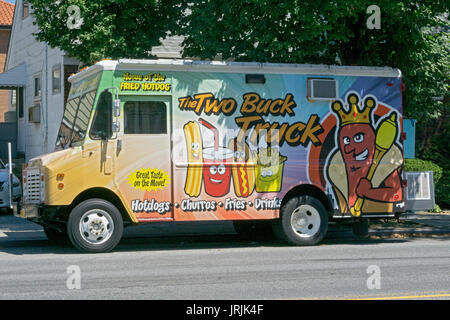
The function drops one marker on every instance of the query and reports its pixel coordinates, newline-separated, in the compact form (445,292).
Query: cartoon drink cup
(217,163)
(217,170)
(269,170)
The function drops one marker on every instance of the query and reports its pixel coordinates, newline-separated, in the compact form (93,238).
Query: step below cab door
(143,158)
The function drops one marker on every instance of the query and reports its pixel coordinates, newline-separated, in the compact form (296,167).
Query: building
(6,19)
(37,78)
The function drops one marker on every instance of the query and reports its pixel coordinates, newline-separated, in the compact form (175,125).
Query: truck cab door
(143,165)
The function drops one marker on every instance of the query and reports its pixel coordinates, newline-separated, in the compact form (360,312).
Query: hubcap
(96,226)
(305,221)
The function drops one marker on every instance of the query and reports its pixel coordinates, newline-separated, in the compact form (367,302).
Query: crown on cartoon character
(354,115)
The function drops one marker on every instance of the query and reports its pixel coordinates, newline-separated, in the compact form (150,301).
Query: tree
(328,32)
(95,30)
(413,36)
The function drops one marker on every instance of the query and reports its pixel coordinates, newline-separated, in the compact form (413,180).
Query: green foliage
(436,209)
(110,29)
(442,192)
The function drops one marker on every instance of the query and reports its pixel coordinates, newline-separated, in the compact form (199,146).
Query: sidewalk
(436,220)
(412,224)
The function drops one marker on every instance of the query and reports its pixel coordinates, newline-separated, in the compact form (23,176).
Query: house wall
(4,40)
(36,138)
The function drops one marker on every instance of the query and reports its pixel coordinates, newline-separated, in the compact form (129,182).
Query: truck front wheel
(94,226)
(303,221)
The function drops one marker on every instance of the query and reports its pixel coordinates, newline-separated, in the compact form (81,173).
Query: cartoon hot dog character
(243,169)
(269,170)
(195,159)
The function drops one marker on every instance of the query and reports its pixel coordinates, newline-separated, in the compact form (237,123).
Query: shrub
(443,190)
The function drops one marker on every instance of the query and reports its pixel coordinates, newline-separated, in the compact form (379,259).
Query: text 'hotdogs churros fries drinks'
(253,109)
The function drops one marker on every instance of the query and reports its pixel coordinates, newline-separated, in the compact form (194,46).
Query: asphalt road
(200,265)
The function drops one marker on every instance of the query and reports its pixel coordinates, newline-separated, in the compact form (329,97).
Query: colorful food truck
(292,147)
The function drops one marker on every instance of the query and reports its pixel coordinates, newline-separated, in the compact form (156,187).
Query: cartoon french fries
(269,170)
(243,169)
(194,147)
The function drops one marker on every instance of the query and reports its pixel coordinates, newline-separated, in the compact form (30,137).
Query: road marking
(405,297)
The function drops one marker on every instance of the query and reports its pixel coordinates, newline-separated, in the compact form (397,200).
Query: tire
(254,230)
(95,226)
(6,211)
(303,221)
(361,228)
(57,237)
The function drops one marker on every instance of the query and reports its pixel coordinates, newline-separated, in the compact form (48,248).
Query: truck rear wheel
(303,221)
(95,226)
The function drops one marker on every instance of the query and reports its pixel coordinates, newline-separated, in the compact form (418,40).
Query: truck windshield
(77,112)
(75,120)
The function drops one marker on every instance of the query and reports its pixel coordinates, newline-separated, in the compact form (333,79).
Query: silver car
(4,187)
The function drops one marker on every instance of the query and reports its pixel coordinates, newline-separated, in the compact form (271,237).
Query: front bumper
(26,211)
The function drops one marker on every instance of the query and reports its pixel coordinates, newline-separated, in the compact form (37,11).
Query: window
(13,98)
(82,117)
(68,70)
(37,86)
(102,126)
(26,8)
(56,79)
(145,117)
(75,120)
(20,102)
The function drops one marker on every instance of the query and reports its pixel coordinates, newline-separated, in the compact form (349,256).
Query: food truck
(290,146)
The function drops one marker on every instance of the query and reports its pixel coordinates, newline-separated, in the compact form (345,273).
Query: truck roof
(234,67)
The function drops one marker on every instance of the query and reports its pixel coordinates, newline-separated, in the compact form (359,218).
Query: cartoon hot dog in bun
(243,168)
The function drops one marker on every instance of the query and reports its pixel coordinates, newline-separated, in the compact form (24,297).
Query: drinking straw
(214,130)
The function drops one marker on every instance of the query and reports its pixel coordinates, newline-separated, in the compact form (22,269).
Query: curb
(390,232)
(411,231)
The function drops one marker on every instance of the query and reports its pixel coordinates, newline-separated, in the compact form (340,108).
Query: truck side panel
(238,148)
